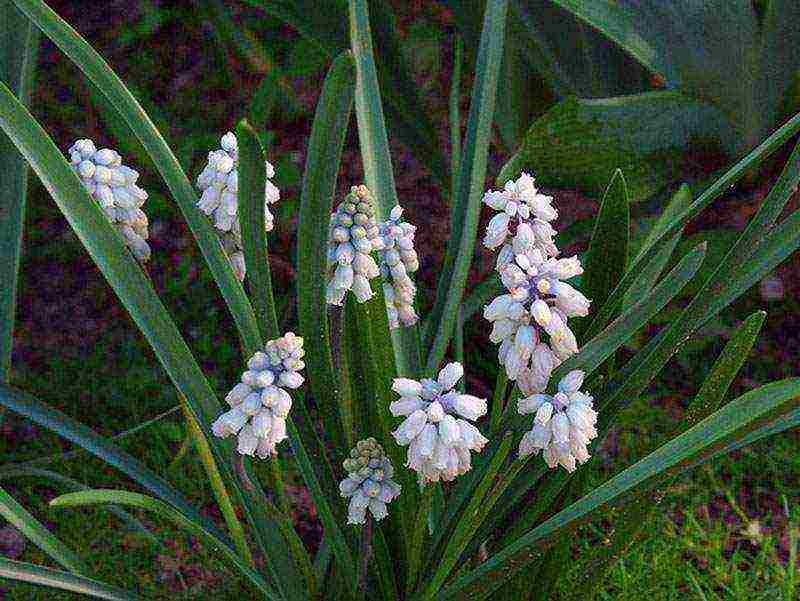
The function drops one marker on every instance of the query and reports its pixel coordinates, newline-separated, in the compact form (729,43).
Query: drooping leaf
(33,574)
(34,531)
(581,142)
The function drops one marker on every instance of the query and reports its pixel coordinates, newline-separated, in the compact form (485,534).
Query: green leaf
(40,536)
(33,574)
(469,191)
(19,45)
(99,446)
(676,224)
(745,68)
(607,258)
(252,183)
(581,142)
(374,144)
(732,420)
(130,499)
(319,187)
(107,82)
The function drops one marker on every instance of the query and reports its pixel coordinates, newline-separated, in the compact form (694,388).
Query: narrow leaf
(472,175)
(40,536)
(33,574)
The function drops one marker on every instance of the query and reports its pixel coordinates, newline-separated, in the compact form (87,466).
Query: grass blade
(125,498)
(472,175)
(40,536)
(319,187)
(18,48)
(104,78)
(33,574)
(252,181)
(667,460)
(607,257)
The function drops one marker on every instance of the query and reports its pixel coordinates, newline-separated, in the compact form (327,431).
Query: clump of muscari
(113,186)
(260,403)
(398,260)
(369,483)
(564,423)
(219,185)
(352,237)
(538,300)
(439,440)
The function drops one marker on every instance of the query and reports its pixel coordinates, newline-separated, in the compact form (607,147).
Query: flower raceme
(563,425)
(113,186)
(398,260)
(352,237)
(260,402)
(219,185)
(437,428)
(538,300)
(369,483)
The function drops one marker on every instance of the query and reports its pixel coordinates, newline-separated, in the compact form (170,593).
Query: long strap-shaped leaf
(469,190)
(19,42)
(103,76)
(106,247)
(40,536)
(374,144)
(319,187)
(668,231)
(130,499)
(671,458)
(33,574)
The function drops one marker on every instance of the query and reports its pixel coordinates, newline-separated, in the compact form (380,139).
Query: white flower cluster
(398,260)
(260,403)
(352,237)
(439,442)
(219,184)
(564,423)
(537,298)
(113,185)
(369,483)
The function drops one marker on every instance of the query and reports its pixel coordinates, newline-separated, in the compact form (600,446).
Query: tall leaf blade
(252,182)
(375,156)
(33,574)
(319,187)
(34,531)
(19,43)
(469,191)
(607,258)
(671,458)
(103,77)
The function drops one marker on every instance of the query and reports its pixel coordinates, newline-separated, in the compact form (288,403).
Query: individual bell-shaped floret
(398,261)
(113,186)
(563,425)
(353,235)
(219,185)
(260,403)
(369,483)
(437,428)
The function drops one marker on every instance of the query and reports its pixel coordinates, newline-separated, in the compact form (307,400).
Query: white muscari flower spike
(352,237)
(369,483)
(563,425)
(398,261)
(437,428)
(260,402)
(219,185)
(113,186)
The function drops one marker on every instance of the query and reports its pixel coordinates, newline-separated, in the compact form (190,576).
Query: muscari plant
(444,494)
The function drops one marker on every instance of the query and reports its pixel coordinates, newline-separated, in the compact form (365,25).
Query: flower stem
(218,486)
(364,555)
